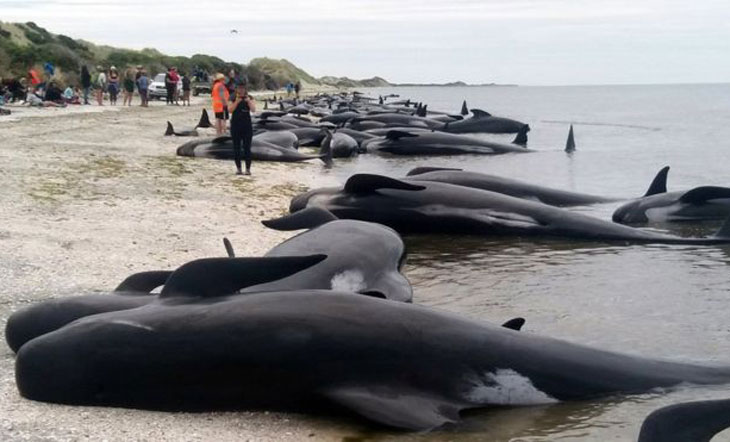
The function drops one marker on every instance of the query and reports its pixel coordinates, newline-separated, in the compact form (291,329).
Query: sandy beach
(93,194)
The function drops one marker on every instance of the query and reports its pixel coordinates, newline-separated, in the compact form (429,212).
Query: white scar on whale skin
(348,281)
(506,387)
(132,324)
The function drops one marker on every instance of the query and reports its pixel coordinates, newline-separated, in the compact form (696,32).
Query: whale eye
(374,294)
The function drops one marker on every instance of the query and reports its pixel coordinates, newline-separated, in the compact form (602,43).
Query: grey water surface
(663,301)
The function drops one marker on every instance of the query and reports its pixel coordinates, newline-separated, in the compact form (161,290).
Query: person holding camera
(241,127)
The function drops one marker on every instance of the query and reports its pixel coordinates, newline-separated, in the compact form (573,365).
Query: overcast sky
(541,42)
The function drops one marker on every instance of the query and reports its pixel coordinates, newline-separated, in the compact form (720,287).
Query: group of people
(113,83)
(237,104)
(296,88)
(172,79)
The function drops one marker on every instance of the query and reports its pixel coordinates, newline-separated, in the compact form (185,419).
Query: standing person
(297,88)
(143,83)
(85,82)
(175,76)
(186,89)
(113,85)
(138,73)
(170,86)
(241,127)
(101,86)
(128,86)
(220,97)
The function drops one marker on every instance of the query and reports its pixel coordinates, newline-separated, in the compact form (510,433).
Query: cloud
(521,41)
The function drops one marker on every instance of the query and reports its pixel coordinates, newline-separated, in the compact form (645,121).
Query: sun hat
(220,76)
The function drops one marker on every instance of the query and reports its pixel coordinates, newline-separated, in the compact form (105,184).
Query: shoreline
(91,197)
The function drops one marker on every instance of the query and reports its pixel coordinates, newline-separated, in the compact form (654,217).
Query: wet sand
(91,195)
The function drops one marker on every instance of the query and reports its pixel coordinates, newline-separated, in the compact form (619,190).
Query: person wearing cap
(220,96)
(241,127)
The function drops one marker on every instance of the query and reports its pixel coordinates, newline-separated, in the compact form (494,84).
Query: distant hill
(284,71)
(23,45)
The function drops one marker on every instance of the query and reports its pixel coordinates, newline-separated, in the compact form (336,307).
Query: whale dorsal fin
(229,248)
(308,218)
(204,120)
(364,183)
(570,142)
(478,113)
(464,108)
(222,139)
(397,134)
(396,407)
(426,169)
(701,195)
(170,130)
(514,324)
(521,138)
(144,282)
(210,277)
(659,184)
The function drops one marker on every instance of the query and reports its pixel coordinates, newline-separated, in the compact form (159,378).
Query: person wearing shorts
(220,96)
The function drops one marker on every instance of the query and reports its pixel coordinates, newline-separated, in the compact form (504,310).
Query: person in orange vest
(220,96)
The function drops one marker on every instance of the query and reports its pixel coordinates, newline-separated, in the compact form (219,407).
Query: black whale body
(397,364)
(434,207)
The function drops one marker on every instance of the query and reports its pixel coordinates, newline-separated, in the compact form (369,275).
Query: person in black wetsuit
(241,127)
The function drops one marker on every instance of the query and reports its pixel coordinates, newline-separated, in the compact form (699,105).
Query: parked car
(157,87)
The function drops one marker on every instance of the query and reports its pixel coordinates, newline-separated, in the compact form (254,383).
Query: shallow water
(658,301)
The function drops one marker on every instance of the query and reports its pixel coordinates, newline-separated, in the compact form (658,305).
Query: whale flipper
(398,134)
(210,277)
(204,120)
(170,130)
(701,195)
(426,169)
(514,324)
(308,218)
(144,282)
(521,138)
(570,143)
(659,184)
(325,152)
(478,113)
(688,422)
(229,248)
(464,108)
(364,183)
(395,407)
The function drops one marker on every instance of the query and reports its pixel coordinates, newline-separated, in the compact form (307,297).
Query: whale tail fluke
(521,138)
(464,109)
(659,184)
(170,130)
(204,120)
(143,282)
(514,324)
(210,277)
(570,144)
(229,248)
(308,218)
(325,152)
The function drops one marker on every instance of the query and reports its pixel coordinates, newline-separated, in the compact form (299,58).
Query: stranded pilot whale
(422,142)
(221,148)
(434,207)
(46,316)
(507,186)
(658,205)
(190,132)
(396,364)
(359,257)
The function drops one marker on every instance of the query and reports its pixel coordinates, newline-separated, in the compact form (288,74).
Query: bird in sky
(234,31)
